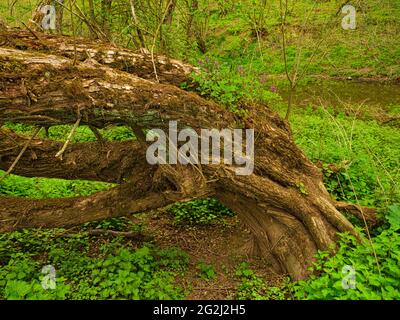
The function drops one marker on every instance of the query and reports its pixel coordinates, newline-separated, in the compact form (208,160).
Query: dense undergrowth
(241,63)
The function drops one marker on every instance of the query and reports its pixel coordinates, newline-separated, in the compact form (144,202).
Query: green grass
(369,51)
(21,11)
(42,188)
(365,152)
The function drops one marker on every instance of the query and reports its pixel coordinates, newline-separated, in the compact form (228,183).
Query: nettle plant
(232,85)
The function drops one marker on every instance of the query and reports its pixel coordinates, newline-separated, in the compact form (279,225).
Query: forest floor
(221,246)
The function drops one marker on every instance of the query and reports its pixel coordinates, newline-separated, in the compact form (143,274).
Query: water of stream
(342,93)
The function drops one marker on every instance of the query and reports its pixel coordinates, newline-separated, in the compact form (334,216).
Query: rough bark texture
(284,201)
(169,71)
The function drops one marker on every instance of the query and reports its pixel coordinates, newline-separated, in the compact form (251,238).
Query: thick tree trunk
(283,202)
(170,12)
(169,71)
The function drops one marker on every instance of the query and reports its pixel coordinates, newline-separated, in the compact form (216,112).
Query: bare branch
(35,133)
(69,138)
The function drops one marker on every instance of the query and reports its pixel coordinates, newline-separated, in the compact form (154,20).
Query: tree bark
(169,71)
(283,202)
(113,162)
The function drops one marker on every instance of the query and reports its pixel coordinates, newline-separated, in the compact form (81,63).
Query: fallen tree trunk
(169,71)
(283,202)
(112,162)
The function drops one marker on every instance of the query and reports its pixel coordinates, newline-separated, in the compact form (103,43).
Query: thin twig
(136,23)
(83,18)
(35,133)
(73,33)
(154,41)
(71,134)
(31,31)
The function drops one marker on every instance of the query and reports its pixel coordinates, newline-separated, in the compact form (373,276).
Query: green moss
(10,66)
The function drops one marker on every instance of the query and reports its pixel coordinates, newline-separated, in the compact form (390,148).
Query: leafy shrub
(375,278)
(127,275)
(117,224)
(173,258)
(23,290)
(30,242)
(393,216)
(231,85)
(21,278)
(252,287)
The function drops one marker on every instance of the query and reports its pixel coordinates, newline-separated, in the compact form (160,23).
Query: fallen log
(283,202)
(169,71)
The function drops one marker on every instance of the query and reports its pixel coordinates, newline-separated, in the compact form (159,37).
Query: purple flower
(273,88)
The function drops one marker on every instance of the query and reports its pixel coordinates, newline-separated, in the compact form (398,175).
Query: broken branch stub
(283,202)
